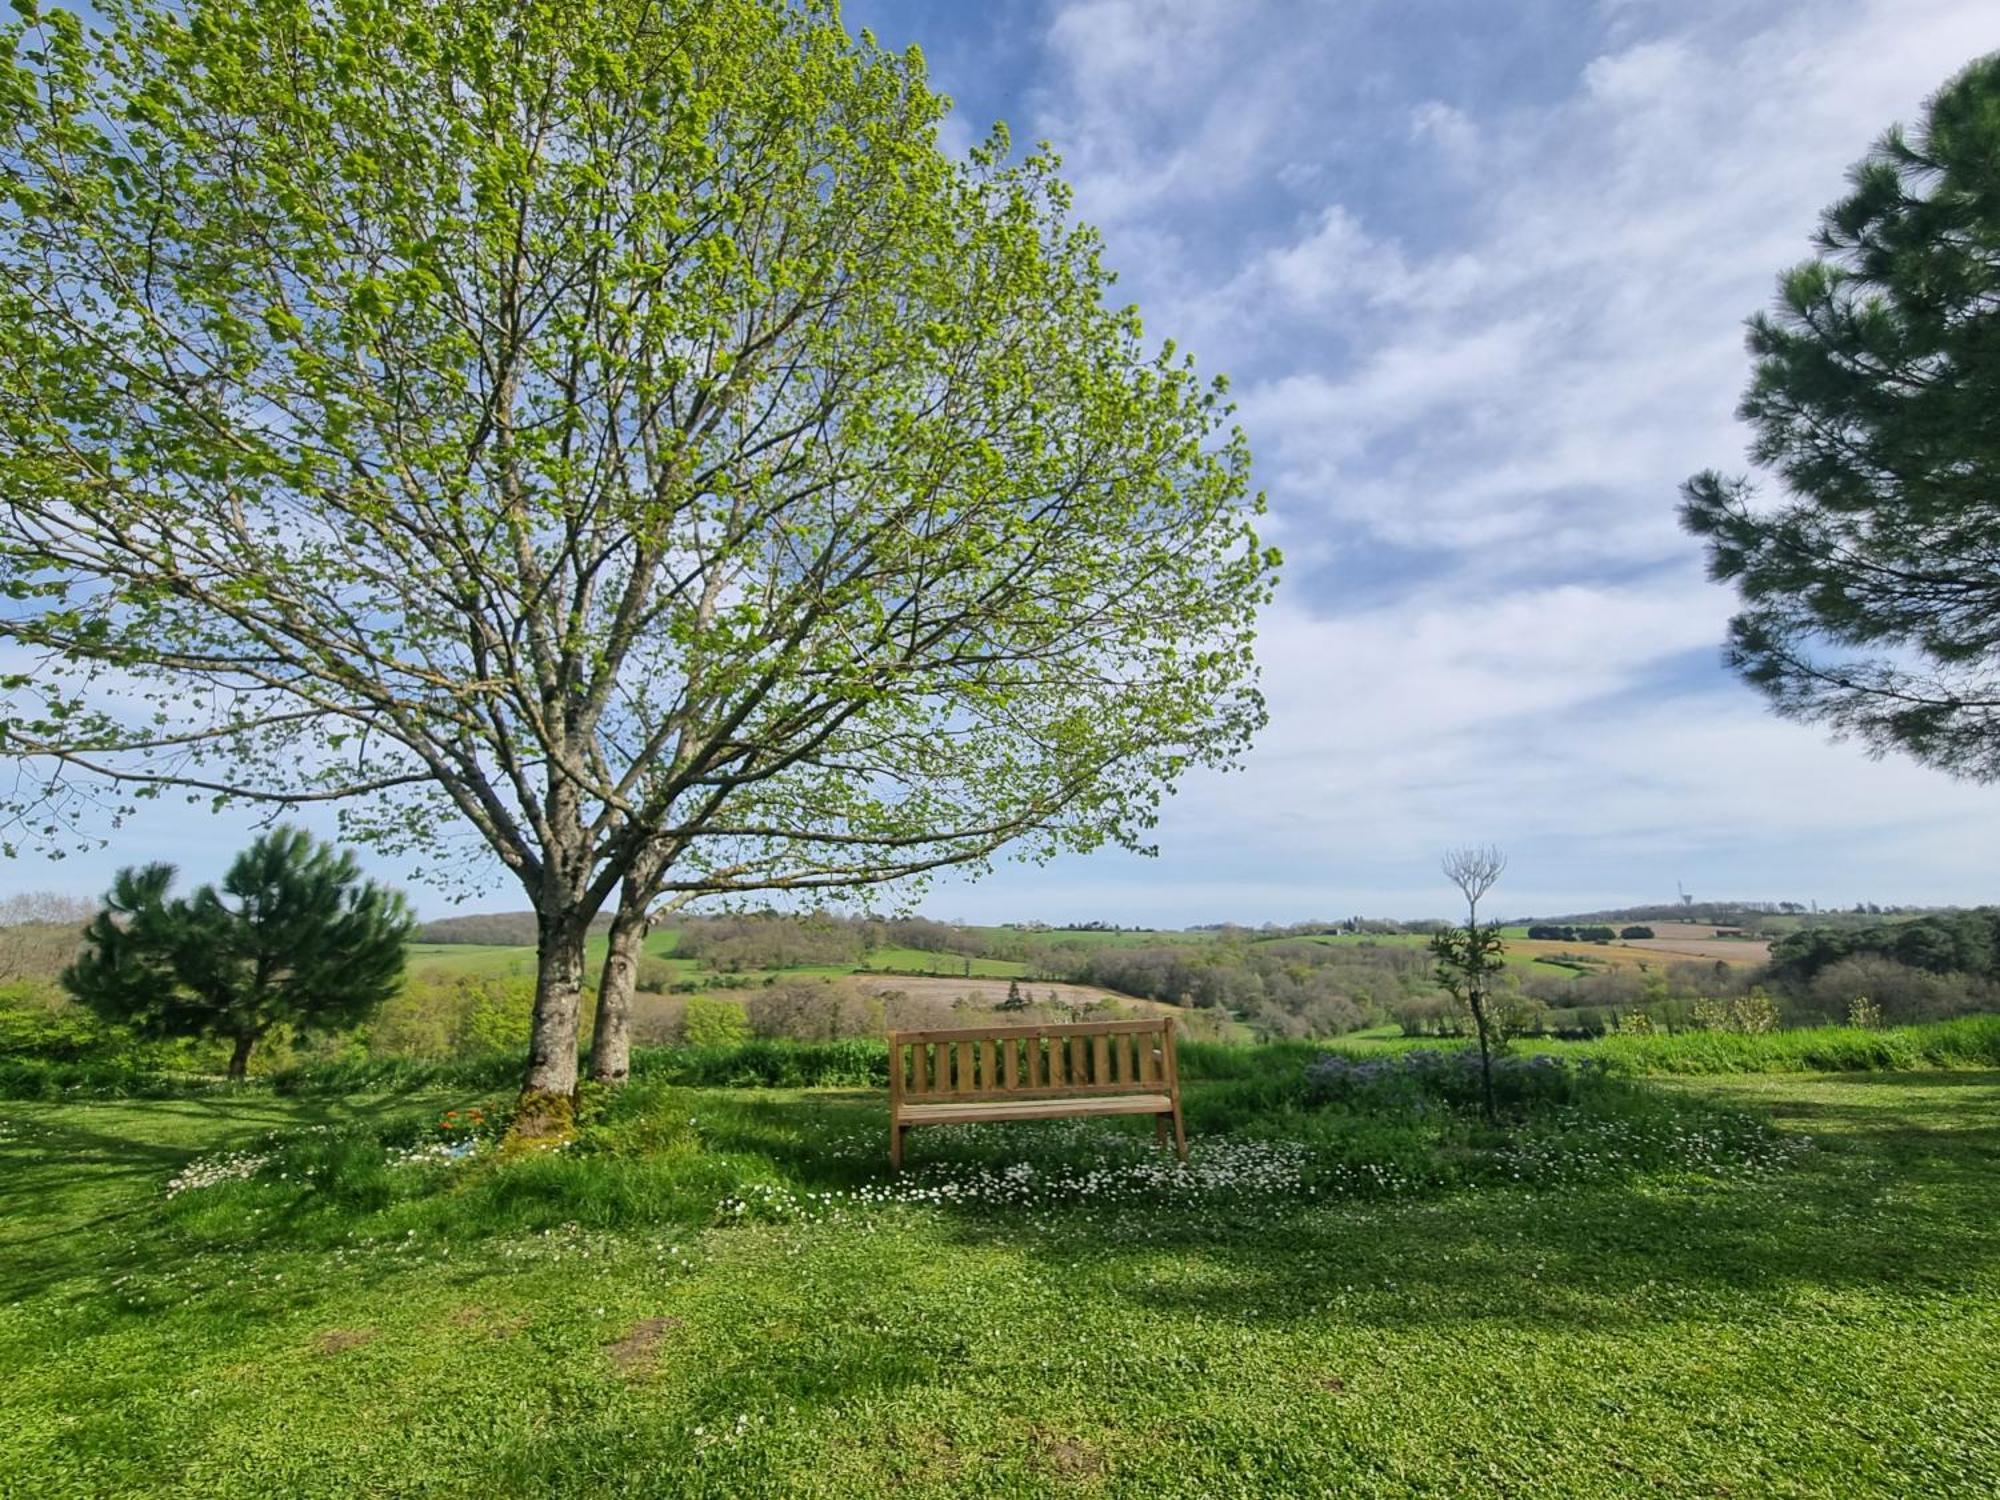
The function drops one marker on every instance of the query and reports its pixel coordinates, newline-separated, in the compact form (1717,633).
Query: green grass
(490,961)
(1970,1041)
(947,965)
(1965,1042)
(605,1322)
(1093,938)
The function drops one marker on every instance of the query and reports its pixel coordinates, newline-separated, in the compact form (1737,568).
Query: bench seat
(1038,1109)
(1096,1069)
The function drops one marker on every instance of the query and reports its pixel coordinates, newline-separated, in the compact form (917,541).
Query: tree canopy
(613,428)
(1871,596)
(294,937)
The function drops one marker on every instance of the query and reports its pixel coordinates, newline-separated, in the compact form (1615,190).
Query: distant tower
(1686,899)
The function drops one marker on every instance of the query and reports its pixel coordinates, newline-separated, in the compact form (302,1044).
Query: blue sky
(1478,274)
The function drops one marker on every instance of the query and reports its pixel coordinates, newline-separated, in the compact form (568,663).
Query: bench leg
(1180,1133)
(1160,1131)
(896,1147)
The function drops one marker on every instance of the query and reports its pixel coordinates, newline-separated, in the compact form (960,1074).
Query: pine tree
(294,936)
(1870,598)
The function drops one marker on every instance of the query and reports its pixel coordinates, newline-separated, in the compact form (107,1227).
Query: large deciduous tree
(1871,596)
(614,427)
(294,937)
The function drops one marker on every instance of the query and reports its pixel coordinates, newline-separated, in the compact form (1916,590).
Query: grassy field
(1535,956)
(724,1294)
(1563,960)
(486,960)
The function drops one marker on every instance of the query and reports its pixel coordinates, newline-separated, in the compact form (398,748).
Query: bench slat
(1032,1109)
(1066,1028)
(1010,1054)
(1059,1090)
(1100,1056)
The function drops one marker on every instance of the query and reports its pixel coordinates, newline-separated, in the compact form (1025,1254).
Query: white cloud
(1495,340)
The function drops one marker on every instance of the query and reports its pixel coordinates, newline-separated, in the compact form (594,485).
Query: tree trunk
(558,1005)
(611,1039)
(1485,1064)
(239,1060)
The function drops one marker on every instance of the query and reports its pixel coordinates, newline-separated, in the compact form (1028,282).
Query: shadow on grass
(69,1172)
(1897,1194)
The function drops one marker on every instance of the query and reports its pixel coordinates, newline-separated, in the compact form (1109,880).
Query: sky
(1478,275)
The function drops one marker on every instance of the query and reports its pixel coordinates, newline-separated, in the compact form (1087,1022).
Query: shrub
(444,1015)
(1428,1077)
(1753,1014)
(849,1063)
(1970,1041)
(710,1022)
(1428,1016)
(656,976)
(809,1010)
(1902,993)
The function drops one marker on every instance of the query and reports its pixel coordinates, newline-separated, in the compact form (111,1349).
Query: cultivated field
(991,992)
(1733,951)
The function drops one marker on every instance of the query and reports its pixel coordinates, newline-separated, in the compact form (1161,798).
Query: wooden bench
(1035,1073)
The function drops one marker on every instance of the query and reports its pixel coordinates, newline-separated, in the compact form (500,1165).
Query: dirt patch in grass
(1069,1457)
(635,1352)
(330,1341)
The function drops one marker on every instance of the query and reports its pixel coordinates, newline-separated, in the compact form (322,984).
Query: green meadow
(1771,1283)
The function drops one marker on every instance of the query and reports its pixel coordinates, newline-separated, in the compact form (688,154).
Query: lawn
(1810,1317)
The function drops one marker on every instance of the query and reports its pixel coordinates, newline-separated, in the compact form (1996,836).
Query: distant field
(1640,954)
(991,991)
(1094,938)
(484,960)
(1521,953)
(922,962)
(1676,942)
(1728,950)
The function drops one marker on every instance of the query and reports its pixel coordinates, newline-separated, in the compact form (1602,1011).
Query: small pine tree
(1469,958)
(294,937)
(1015,999)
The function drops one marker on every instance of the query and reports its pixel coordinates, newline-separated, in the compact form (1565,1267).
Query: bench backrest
(1033,1062)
